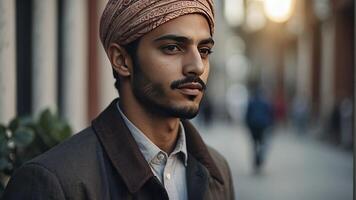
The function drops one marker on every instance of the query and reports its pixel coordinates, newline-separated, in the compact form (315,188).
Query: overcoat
(104,162)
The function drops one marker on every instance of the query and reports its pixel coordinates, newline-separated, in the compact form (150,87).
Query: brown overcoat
(104,162)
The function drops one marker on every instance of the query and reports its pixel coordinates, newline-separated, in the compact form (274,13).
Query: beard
(152,97)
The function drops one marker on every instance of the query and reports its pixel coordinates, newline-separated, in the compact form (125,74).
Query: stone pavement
(296,168)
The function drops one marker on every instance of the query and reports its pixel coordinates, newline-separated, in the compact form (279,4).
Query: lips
(193,89)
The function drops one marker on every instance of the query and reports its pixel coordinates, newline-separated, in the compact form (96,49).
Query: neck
(162,131)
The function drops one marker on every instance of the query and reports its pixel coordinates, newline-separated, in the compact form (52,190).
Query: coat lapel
(198,149)
(197,179)
(121,148)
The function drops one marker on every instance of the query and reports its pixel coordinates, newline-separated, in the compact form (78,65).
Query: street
(296,168)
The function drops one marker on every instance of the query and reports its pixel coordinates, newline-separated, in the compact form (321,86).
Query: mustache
(189,79)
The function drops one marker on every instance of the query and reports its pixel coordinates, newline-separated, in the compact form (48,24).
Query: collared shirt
(169,169)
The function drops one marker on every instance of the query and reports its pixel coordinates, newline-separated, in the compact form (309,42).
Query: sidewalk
(296,168)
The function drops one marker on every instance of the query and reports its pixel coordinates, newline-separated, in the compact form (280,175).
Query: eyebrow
(182,39)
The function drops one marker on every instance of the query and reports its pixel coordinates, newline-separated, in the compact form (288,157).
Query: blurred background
(280,99)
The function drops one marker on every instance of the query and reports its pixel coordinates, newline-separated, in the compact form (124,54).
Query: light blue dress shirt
(169,169)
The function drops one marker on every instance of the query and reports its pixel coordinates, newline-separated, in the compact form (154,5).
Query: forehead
(191,26)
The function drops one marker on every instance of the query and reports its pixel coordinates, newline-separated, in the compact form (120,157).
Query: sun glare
(278,10)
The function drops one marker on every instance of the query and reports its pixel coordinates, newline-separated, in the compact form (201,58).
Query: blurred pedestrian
(279,108)
(259,117)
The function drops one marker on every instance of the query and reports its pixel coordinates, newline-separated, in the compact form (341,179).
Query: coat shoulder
(61,171)
(77,149)
(74,160)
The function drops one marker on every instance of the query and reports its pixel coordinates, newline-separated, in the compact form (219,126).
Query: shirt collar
(181,145)
(148,148)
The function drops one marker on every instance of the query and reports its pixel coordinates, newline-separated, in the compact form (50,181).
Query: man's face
(172,67)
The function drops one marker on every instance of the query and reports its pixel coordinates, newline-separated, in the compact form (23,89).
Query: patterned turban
(124,21)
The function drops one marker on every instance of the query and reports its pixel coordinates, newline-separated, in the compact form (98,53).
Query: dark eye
(204,52)
(171,49)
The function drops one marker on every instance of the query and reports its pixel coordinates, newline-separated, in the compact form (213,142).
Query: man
(141,146)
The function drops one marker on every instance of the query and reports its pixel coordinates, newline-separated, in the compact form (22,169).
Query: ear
(120,60)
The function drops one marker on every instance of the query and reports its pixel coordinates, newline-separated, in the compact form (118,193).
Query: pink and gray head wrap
(124,21)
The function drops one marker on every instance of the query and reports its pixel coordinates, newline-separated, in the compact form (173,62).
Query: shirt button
(168,176)
(160,156)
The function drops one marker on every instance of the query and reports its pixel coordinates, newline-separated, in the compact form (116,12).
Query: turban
(124,21)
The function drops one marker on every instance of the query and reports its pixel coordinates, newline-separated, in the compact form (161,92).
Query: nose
(193,63)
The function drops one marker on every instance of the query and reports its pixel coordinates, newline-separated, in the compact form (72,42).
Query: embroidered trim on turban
(124,21)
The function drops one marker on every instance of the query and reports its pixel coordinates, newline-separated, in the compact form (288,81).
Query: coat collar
(126,157)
